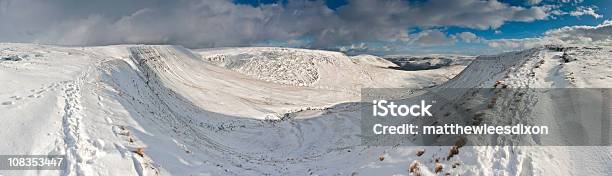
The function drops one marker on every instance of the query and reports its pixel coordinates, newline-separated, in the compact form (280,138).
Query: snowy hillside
(544,67)
(373,61)
(319,69)
(167,110)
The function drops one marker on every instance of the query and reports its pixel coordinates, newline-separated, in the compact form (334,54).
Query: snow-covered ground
(257,111)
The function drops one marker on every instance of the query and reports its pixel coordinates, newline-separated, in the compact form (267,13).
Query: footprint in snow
(8,103)
(108,120)
(34,96)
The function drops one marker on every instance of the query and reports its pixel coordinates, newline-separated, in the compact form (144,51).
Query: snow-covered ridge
(308,68)
(542,67)
(484,71)
(373,61)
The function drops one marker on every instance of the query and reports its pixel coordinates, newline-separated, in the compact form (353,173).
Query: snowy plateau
(167,110)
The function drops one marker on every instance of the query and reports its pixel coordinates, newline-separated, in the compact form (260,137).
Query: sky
(379,27)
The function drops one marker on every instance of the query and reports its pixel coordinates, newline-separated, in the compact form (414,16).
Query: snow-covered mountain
(257,111)
(315,68)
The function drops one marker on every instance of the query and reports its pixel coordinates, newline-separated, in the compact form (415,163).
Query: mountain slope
(100,105)
(318,69)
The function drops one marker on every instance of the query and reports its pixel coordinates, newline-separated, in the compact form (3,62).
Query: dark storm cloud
(212,23)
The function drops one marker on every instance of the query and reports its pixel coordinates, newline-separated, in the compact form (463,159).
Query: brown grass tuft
(140,151)
(438,168)
(453,151)
(456,164)
(420,152)
(414,168)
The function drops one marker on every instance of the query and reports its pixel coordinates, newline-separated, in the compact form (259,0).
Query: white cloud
(361,47)
(515,43)
(468,37)
(533,2)
(572,1)
(580,11)
(432,37)
(599,35)
(211,23)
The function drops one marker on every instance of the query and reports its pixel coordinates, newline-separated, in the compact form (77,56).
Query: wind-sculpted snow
(275,67)
(284,66)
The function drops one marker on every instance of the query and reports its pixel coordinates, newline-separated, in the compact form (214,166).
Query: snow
(538,68)
(373,61)
(257,110)
(311,68)
(329,78)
